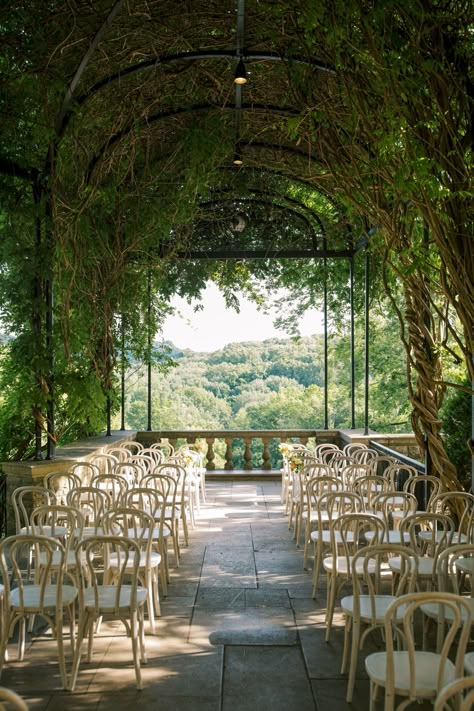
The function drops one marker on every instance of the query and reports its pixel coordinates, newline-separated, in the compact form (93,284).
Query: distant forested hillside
(277,383)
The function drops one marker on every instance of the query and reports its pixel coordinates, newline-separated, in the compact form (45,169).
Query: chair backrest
(122,454)
(146,463)
(425,487)
(459,505)
(177,472)
(379,464)
(12,561)
(91,501)
(398,474)
(114,485)
(332,504)
(352,447)
(314,469)
(131,522)
(52,520)
(368,487)
(92,556)
(325,447)
(104,461)
(449,565)
(85,471)
(337,460)
(133,446)
(166,448)
(456,612)
(27,498)
(363,456)
(349,533)
(369,566)
(350,472)
(155,454)
(131,472)
(61,483)
(316,486)
(387,501)
(148,499)
(458,695)
(436,533)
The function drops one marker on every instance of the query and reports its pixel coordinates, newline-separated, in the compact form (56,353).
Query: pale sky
(215,326)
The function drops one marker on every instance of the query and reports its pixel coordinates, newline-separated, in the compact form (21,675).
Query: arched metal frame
(68,108)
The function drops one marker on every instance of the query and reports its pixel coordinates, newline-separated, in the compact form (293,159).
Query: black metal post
(109,417)
(149,354)
(366,373)
(325,313)
(352,346)
(36,317)
(51,445)
(122,395)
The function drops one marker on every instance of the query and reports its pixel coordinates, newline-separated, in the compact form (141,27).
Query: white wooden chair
(412,673)
(124,600)
(42,597)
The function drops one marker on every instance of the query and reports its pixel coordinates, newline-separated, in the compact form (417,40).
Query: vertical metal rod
(149,353)
(36,319)
(352,345)
(366,368)
(51,444)
(325,312)
(471,443)
(122,396)
(109,417)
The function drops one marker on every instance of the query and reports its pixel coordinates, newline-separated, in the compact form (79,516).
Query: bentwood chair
(458,695)
(413,673)
(45,598)
(124,600)
(348,532)
(367,609)
(131,522)
(154,503)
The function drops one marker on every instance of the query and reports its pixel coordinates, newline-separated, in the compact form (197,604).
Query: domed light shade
(240,75)
(237,159)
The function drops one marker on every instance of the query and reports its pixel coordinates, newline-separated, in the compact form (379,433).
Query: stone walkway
(239,629)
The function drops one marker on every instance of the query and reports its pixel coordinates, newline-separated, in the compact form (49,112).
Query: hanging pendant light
(240,75)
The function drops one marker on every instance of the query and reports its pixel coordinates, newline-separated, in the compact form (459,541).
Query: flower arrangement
(296,463)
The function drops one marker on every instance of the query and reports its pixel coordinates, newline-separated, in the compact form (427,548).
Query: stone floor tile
(265,678)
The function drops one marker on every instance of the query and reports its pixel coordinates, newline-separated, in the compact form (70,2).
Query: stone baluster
(266,464)
(229,464)
(210,454)
(247,453)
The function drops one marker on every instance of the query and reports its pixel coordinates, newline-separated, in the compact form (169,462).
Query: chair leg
(134,637)
(353,660)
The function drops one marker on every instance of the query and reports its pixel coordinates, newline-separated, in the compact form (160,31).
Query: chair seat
(425,566)
(149,560)
(367,612)
(343,565)
(432,610)
(469,663)
(393,537)
(31,597)
(107,595)
(465,565)
(426,666)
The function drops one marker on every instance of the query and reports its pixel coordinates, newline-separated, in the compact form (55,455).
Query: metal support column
(122,377)
(109,417)
(36,321)
(366,368)
(51,444)
(149,353)
(352,347)
(325,312)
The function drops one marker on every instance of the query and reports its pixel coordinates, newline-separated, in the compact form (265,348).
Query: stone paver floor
(239,629)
